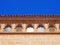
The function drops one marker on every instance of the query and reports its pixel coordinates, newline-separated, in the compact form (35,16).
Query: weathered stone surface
(30,39)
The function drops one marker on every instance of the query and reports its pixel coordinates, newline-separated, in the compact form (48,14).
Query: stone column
(24,27)
(57,27)
(35,26)
(46,27)
(2,27)
(13,27)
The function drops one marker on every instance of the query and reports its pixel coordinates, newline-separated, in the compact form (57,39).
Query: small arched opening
(8,28)
(29,28)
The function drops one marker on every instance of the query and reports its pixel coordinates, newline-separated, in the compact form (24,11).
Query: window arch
(52,29)
(59,26)
(8,28)
(19,28)
(41,29)
(29,28)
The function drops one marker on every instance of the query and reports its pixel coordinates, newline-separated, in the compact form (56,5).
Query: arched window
(59,26)
(8,29)
(29,29)
(40,29)
(19,28)
(52,29)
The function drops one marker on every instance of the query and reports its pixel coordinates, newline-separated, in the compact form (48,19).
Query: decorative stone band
(30,24)
(30,19)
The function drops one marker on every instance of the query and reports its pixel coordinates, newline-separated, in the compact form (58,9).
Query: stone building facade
(30,30)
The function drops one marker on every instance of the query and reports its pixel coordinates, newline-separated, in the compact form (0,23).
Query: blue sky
(29,7)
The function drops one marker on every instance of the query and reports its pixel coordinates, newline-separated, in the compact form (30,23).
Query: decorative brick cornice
(30,19)
(48,20)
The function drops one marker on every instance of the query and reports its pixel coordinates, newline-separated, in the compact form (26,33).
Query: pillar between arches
(46,26)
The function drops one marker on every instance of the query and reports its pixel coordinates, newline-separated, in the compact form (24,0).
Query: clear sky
(29,6)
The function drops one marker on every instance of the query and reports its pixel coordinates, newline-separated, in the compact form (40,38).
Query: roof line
(31,15)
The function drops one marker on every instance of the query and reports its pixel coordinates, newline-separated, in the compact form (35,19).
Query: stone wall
(29,39)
